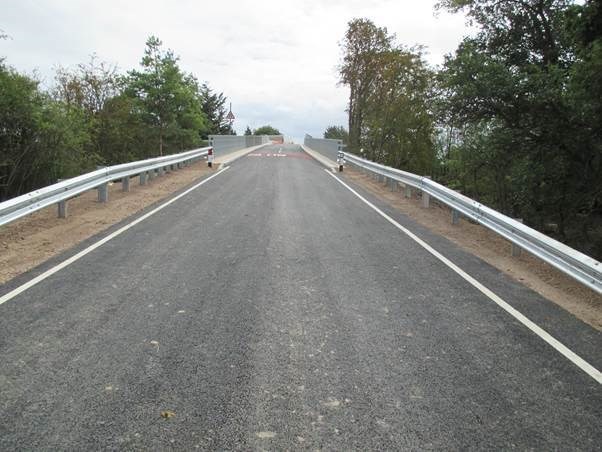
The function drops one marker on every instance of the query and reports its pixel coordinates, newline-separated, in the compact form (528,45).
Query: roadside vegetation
(263,130)
(96,115)
(513,118)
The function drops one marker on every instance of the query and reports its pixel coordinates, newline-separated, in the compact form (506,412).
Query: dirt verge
(33,239)
(580,301)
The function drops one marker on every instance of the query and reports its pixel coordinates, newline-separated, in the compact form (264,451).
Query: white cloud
(275,60)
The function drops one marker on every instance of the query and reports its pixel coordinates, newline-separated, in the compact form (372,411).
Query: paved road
(271,309)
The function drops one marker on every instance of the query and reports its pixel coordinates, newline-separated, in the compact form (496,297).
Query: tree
(40,139)
(168,99)
(337,133)
(248,131)
(361,46)
(266,130)
(522,95)
(390,88)
(95,115)
(213,105)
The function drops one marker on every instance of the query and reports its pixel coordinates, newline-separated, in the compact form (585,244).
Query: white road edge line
(559,346)
(13,293)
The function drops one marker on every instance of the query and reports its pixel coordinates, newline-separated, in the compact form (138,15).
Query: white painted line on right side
(543,334)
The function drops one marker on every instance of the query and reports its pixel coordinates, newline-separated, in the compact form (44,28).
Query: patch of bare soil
(579,300)
(35,238)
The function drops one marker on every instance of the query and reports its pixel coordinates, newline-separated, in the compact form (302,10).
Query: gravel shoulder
(30,241)
(580,301)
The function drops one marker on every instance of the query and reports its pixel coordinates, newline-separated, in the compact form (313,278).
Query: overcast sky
(275,60)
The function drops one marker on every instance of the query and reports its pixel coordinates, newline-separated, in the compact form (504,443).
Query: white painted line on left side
(13,293)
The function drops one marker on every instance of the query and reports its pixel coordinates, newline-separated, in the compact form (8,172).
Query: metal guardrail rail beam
(579,266)
(23,205)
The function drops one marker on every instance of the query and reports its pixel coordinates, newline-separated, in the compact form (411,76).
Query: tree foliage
(521,95)
(337,133)
(95,115)
(389,116)
(266,130)
(512,118)
(40,140)
(214,107)
(169,100)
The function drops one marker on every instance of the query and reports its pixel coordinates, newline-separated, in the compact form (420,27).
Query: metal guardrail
(579,266)
(60,192)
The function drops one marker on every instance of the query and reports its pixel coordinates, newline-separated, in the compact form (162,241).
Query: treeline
(263,130)
(95,115)
(513,118)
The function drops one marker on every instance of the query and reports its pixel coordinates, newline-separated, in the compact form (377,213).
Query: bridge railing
(325,146)
(61,192)
(229,143)
(579,266)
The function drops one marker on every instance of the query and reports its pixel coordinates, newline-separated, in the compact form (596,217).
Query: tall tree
(361,47)
(390,87)
(214,107)
(511,90)
(166,96)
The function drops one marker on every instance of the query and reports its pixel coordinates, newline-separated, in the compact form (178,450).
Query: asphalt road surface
(272,309)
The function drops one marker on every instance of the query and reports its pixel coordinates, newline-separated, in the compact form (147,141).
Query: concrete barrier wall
(325,146)
(227,143)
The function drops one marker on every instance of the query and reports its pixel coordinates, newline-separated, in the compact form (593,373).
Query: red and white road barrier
(210,157)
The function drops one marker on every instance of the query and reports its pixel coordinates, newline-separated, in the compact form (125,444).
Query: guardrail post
(62,207)
(125,183)
(426,199)
(408,191)
(103,192)
(151,175)
(516,250)
(160,171)
(393,185)
(142,176)
(455,216)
